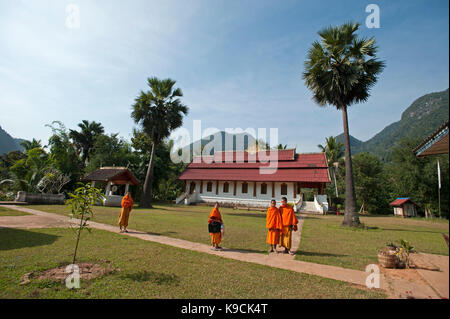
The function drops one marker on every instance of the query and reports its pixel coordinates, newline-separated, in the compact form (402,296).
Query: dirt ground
(87,271)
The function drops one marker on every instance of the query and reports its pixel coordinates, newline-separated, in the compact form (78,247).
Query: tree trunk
(146,198)
(351,217)
(335,183)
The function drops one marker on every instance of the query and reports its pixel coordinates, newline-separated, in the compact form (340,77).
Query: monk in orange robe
(127,206)
(273,225)
(289,222)
(215,216)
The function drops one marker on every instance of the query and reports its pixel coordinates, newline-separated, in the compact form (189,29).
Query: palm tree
(29,145)
(340,70)
(333,151)
(84,140)
(159,112)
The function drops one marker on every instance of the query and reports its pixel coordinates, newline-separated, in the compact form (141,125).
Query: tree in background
(85,139)
(28,145)
(340,70)
(372,188)
(158,111)
(165,183)
(64,154)
(334,152)
(415,177)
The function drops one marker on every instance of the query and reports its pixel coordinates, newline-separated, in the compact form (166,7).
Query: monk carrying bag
(214,227)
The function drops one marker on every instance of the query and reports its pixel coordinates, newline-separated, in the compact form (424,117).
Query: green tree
(165,183)
(110,150)
(340,70)
(334,152)
(63,154)
(84,140)
(415,177)
(81,202)
(28,145)
(372,190)
(158,111)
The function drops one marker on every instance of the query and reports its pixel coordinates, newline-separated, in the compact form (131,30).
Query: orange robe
(288,220)
(273,225)
(215,215)
(127,206)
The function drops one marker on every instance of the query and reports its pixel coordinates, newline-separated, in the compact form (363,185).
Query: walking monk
(273,225)
(127,206)
(214,224)
(289,222)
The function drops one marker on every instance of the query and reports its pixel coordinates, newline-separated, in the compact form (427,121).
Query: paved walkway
(394,287)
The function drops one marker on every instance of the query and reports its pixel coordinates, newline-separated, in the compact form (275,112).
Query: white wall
(242,198)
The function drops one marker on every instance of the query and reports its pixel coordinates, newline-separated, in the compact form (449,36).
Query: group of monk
(280,223)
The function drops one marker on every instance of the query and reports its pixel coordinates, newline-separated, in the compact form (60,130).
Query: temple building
(252,179)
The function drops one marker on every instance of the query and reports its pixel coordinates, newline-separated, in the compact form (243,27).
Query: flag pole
(439,188)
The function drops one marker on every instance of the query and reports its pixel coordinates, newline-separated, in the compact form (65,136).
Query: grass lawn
(149,270)
(324,241)
(244,229)
(11,212)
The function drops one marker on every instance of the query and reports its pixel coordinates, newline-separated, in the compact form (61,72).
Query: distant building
(239,178)
(115,178)
(405,207)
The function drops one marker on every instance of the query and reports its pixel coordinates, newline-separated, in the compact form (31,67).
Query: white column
(108,188)
(126,188)
(93,184)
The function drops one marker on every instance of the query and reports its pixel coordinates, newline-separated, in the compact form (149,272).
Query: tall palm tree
(159,111)
(84,140)
(334,152)
(29,145)
(340,70)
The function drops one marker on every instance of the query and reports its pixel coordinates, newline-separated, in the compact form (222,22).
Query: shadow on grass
(13,238)
(152,276)
(245,251)
(258,215)
(314,254)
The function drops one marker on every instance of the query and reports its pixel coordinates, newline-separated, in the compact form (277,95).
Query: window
(225,187)
(263,188)
(283,189)
(209,187)
(244,188)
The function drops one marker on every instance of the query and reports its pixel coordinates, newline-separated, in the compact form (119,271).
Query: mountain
(224,142)
(419,120)
(8,143)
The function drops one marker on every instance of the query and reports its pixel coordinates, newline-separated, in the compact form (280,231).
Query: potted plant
(403,253)
(388,257)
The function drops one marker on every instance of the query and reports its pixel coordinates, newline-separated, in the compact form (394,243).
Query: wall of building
(246,199)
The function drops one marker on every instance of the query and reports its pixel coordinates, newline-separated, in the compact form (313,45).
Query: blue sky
(238,63)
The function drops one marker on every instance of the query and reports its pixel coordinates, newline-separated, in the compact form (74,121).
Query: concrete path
(394,287)
(434,269)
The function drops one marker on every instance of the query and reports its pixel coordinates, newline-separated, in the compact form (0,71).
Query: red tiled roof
(119,175)
(244,174)
(401,201)
(313,160)
(233,156)
(293,168)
